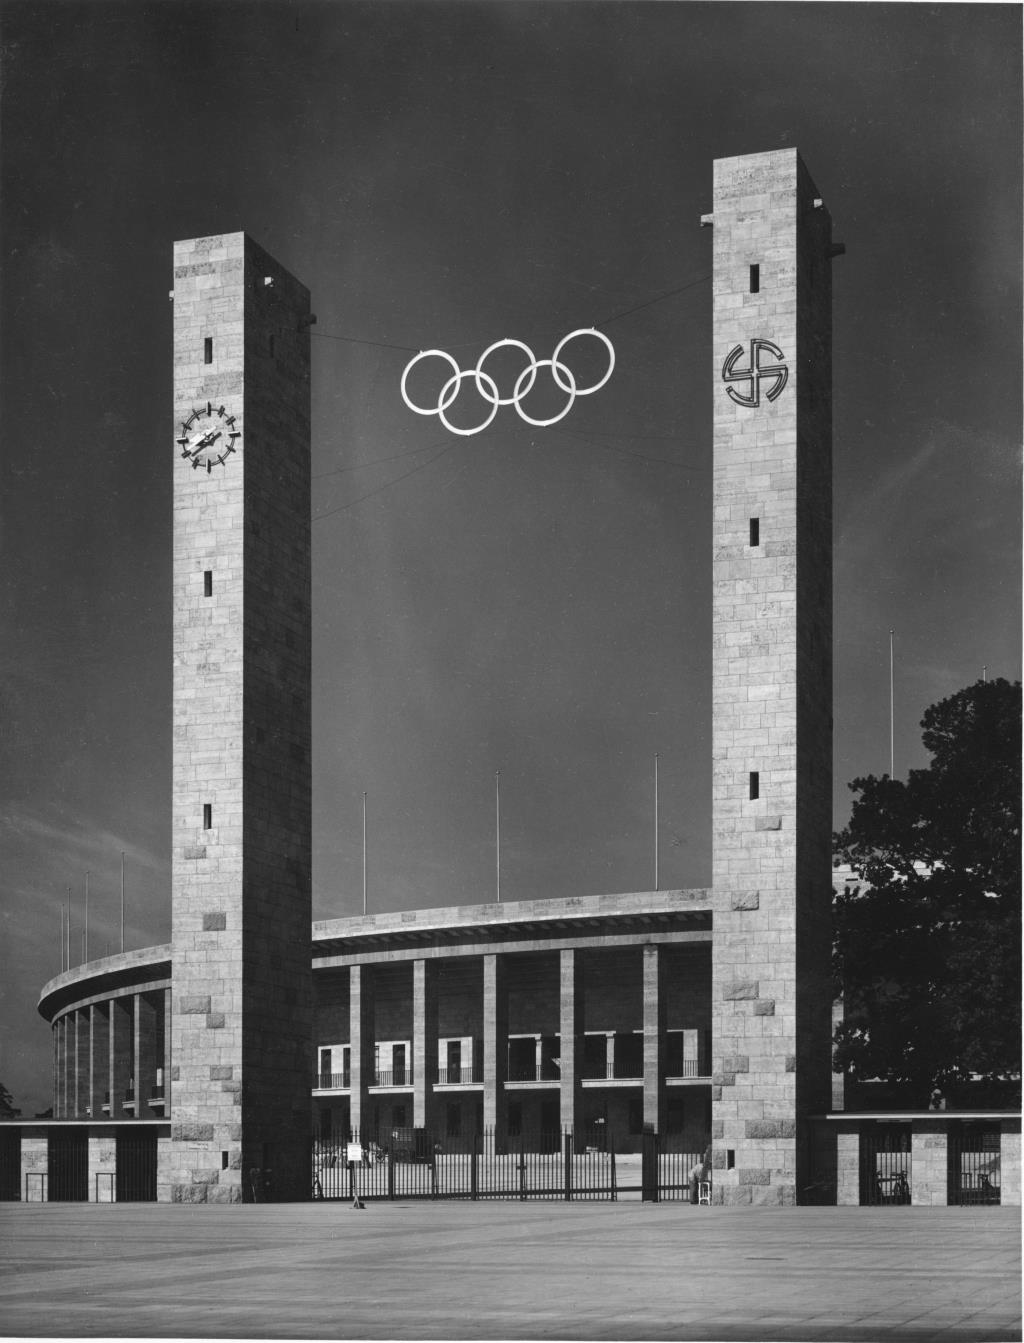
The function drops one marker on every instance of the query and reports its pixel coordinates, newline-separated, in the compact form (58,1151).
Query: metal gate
(136,1166)
(413,1164)
(885,1165)
(10,1165)
(974,1165)
(67,1156)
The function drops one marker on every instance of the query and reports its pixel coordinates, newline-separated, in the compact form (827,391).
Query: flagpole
(85,931)
(69,927)
(364,853)
(497,833)
(122,899)
(62,937)
(892,739)
(656,886)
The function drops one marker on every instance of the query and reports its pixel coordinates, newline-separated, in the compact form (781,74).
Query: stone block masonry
(241,905)
(772,659)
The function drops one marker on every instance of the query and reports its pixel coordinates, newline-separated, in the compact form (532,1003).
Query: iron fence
(556,1165)
(885,1165)
(974,1166)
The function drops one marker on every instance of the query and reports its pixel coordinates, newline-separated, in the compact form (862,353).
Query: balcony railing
(332,1081)
(452,1076)
(397,1077)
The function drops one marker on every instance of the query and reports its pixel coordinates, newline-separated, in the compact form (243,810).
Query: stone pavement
(509,1270)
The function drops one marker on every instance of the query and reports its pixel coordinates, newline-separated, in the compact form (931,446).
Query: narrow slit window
(223,1160)
(755,531)
(730,1158)
(755,785)
(208,583)
(208,350)
(207,815)
(755,279)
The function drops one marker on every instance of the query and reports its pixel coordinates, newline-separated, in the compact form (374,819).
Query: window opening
(755,784)
(755,531)
(208,583)
(207,816)
(208,350)
(755,279)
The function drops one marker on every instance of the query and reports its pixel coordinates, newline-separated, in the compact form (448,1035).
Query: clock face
(208,436)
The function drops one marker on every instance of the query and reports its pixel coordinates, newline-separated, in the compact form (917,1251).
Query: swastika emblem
(778,373)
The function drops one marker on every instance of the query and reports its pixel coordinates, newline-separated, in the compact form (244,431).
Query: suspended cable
(405,475)
(412,349)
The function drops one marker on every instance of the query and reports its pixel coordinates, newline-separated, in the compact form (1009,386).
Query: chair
(704,1192)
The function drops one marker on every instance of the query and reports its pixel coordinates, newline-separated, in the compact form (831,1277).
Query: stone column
(362,1037)
(83,1039)
(571,1018)
(121,1054)
(848,1166)
(102,1166)
(1009,1163)
(929,1164)
(495,1023)
(35,1164)
(145,1053)
(654,1002)
(100,1058)
(424,1042)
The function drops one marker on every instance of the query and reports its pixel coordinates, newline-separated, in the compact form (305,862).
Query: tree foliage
(927,948)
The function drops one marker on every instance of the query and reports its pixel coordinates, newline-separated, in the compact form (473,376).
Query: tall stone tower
(241,1012)
(772,725)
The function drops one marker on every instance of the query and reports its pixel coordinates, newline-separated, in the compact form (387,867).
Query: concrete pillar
(59,1091)
(929,1166)
(424,1042)
(654,1005)
(83,1039)
(138,1080)
(102,1167)
(362,1037)
(146,1054)
(121,1055)
(100,1058)
(495,1023)
(609,1054)
(572,1027)
(847,1166)
(165,1062)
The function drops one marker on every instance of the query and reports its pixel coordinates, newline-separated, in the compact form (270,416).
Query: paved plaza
(509,1270)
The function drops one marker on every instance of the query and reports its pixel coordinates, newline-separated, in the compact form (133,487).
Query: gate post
(522,1166)
(615,1188)
(649,1165)
(567,1147)
(473,1175)
(391,1171)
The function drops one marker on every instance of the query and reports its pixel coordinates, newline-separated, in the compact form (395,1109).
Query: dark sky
(530,600)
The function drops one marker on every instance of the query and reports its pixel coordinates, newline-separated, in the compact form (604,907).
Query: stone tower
(772,724)
(241,895)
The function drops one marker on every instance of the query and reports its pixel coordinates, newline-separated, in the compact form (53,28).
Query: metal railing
(451,1076)
(332,1081)
(396,1077)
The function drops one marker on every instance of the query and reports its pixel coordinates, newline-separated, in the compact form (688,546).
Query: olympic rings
(446,400)
(488,389)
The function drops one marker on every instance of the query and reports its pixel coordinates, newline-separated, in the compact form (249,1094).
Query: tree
(927,949)
(7,1110)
